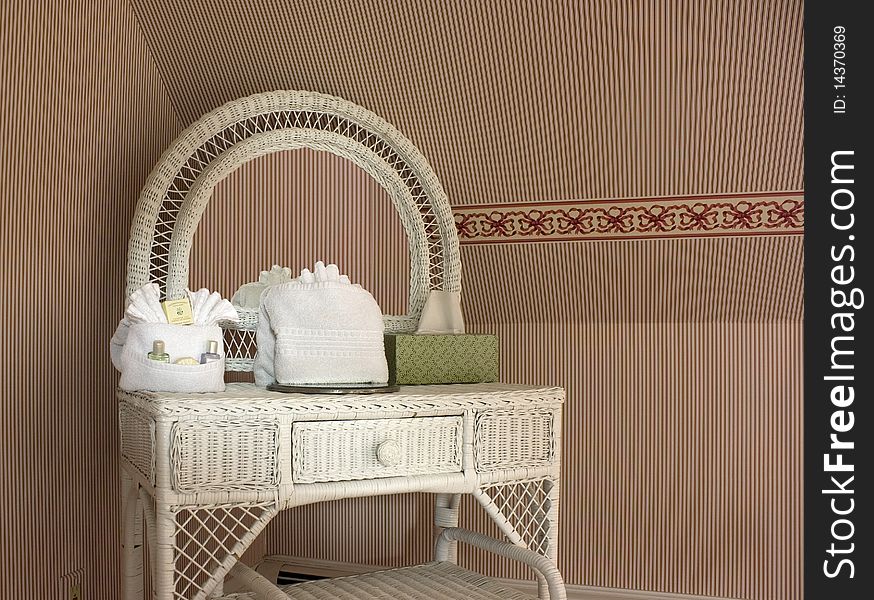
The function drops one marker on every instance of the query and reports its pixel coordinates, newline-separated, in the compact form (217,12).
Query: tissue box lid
(429,359)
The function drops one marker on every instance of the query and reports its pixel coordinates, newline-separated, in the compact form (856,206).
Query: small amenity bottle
(158,352)
(211,354)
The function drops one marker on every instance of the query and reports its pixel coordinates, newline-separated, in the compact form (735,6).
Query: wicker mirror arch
(181,185)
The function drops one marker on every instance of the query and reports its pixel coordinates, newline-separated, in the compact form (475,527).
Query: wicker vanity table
(205,473)
(211,470)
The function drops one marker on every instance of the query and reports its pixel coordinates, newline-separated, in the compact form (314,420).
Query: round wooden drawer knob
(389,453)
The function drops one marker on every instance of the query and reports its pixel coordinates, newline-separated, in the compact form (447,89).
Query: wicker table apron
(209,471)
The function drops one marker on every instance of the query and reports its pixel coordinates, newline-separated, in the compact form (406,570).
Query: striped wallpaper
(84,117)
(681,471)
(682,357)
(297,207)
(523,100)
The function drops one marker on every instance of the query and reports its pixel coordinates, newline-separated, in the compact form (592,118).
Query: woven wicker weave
(350,450)
(227,463)
(441,580)
(179,188)
(426,582)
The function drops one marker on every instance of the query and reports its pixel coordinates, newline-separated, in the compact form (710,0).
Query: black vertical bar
(837,172)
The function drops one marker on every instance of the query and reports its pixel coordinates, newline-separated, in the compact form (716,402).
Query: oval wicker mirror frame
(181,184)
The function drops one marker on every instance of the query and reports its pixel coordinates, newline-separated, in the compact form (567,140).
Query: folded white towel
(145,305)
(249,294)
(320,329)
(209,309)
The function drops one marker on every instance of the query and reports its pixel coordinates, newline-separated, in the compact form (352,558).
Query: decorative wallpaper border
(635,218)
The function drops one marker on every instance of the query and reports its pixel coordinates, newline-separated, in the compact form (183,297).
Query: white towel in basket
(320,329)
(140,373)
(144,322)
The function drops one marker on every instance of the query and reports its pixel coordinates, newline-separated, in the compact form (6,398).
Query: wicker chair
(170,208)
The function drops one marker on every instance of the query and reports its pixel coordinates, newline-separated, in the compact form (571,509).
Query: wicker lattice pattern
(514,438)
(524,508)
(178,189)
(240,348)
(206,539)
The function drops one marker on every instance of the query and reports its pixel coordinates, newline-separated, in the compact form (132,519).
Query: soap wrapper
(139,372)
(178,312)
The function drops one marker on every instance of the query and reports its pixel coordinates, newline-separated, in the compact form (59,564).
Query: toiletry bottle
(211,355)
(158,352)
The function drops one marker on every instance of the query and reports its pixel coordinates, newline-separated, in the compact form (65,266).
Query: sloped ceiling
(522,101)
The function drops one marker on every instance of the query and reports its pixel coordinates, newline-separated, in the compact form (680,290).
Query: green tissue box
(421,359)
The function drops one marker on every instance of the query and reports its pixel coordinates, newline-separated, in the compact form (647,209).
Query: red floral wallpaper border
(637,218)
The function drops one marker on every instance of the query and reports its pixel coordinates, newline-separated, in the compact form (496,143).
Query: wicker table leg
(196,546)
(551,532)
(446,515)
(132,539)
(526,511)
(163,556)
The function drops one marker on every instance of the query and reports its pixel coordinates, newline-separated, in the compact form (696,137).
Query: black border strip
(837,554)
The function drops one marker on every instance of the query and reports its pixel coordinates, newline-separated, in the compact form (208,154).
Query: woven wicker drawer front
(369,449)
(509,439)
(137,440)
(224,455)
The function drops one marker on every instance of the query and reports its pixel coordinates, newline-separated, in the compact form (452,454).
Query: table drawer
(223,455)
(369,449)
(512,439)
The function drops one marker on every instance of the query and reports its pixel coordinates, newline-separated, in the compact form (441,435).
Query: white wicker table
(209,471)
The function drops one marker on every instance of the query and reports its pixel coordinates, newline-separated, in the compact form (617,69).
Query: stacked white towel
(320,329)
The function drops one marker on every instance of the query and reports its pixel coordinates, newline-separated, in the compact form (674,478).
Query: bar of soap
(187,360)
(178,311)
